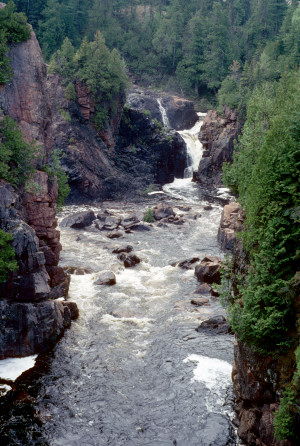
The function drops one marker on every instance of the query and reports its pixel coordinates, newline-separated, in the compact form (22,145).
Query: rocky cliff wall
(258,380)
(30,319)
(217,136)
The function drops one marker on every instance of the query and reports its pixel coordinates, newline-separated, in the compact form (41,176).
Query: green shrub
(16,156)
(66,115)
(7,255)
(287,418)
(13,29)
(70,92)
(54,169)
(265,174)
(101,119)
(149,216)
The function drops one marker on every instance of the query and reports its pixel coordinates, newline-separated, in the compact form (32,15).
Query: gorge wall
(217,136)
(258,380)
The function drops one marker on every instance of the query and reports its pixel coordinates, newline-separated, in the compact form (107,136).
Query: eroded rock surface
(217,136)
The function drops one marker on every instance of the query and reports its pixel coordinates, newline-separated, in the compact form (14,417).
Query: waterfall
(164,115)
(193,145)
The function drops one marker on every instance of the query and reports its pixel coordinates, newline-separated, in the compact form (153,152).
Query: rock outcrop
(258,380)
(31,320)
(226,232)
(180,112)
(217,136)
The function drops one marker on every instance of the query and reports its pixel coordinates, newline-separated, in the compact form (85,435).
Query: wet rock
(226,232)
(78,270)
(28,328)
(215,325)
(204,288)
(208,270)
(217,136)
(111,222)
(130,222)
(129,260)
(115,234)
(200,301)
(79,220)
(106,278)
(208,208)
(186,264)
(72,306)
(122,249)
(162,211)
(99,225)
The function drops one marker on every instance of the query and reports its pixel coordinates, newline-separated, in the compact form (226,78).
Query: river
(133,370)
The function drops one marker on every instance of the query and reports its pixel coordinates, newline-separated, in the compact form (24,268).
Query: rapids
(132,370)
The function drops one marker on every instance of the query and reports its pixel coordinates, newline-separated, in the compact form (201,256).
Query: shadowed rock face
(30,321)
(180,112)
(217,136)
(24,98)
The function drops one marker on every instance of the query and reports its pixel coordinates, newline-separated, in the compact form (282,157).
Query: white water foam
(12,368)
(164,115)
(193,145)
(215,374)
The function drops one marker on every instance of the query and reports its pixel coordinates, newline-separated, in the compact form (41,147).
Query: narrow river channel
(133,370)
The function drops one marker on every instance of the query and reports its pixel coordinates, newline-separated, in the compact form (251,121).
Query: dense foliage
(7,255)
(103,71)
(13,29)
(265,175)
(16,155)
(189,45)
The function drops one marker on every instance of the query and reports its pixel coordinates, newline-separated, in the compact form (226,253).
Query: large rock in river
(208,270)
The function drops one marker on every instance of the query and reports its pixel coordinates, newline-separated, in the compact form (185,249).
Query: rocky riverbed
(134,369)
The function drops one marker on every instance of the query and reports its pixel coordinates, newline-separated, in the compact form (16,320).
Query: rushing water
(132,370)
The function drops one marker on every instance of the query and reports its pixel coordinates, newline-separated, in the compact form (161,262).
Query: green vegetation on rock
(7,255)
(16,156)
(13,29)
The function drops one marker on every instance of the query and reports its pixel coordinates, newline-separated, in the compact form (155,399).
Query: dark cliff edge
(258,380)
(217,136)
(31,318)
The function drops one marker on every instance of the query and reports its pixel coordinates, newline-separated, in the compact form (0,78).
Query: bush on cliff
(103,71)
(7,255)
(54,169)
(13,29)
(265,174)
(16,155)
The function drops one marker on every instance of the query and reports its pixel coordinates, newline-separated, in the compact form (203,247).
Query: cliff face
(258,380)
(179,111)
(31,320)
(217,136)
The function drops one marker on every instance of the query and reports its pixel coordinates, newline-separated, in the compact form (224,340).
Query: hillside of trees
(186,46)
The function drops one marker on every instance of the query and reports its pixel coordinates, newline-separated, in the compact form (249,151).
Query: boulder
(129,260)
(215,325)
(79,220)
(111,222)
(130,222)
(186,264)
(72,306)
(208,270)
(163,210)
(227,224)
(204,288)
(121,249)
(106,278)
(199,301)
(115,234)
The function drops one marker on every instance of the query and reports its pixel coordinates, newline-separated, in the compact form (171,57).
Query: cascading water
(132,370)
(164,115)
(193,145)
